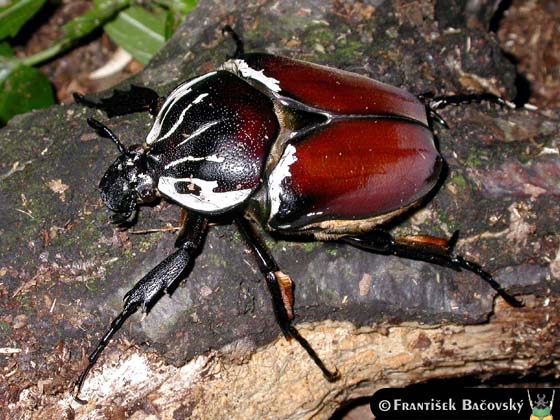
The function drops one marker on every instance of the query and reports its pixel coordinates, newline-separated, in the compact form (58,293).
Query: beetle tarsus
(330,376)
(477,269)
(115,326)
(239,45)
(382,242)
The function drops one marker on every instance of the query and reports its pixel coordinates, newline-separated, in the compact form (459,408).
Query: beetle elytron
(300,148)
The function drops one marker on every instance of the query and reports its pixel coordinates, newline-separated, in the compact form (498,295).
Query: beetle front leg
(427,248)
(280,287)
(162,278)
(121,102)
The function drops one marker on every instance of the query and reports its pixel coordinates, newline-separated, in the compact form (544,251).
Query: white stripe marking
(200,130)
(278,174)
(179,121)
(211,158)
(176,95)
(240,66)
(206,200)
(176,125)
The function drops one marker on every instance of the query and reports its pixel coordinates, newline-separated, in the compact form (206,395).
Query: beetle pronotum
(263,140)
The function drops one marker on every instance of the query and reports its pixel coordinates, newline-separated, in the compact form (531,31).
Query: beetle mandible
(299,148)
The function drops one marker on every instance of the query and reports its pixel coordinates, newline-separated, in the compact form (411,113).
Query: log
(212,350)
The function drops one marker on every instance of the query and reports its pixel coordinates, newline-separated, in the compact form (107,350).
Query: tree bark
(213,350)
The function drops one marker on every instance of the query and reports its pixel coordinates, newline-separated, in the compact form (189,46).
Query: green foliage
(22,88)
(141,28)
(139,31)
(102,11)
(14,15)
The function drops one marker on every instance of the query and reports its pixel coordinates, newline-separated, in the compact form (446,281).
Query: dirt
(537,52)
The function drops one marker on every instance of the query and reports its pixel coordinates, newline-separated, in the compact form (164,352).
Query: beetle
(541,409)
(299,148)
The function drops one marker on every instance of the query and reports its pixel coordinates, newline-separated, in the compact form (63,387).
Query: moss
(446,222)
(459,182)
(24,301)
(474,159)
(84,235)
(5,329)
(333,252)
(347,53)
(310,246)
(94,284)
(236,237)
(216,260)
(60,333)
(149,241)
(318,33)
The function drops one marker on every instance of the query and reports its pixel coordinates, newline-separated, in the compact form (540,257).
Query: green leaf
(14,15)
(138,31)
(182,7)
(102,11)
(22,89)
(177,10)
(6,50)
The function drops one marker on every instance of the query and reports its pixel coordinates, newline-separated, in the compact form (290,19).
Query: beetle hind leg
(280,287)
(430,249)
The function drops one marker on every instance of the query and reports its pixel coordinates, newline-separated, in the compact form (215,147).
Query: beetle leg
(280,287)
(433,103)
(429,249)
(439,102)
(136,99)
(239,46)
(162,278)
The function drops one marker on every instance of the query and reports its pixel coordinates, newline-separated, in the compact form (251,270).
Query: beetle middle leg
(163,277)
(280,288)
(426,248)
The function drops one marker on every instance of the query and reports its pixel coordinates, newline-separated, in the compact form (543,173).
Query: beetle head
(128,181)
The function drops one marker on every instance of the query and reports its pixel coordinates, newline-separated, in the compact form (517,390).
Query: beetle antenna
(103,131)
(239,45)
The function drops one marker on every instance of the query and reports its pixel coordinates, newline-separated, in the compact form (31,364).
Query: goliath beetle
(299,148)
